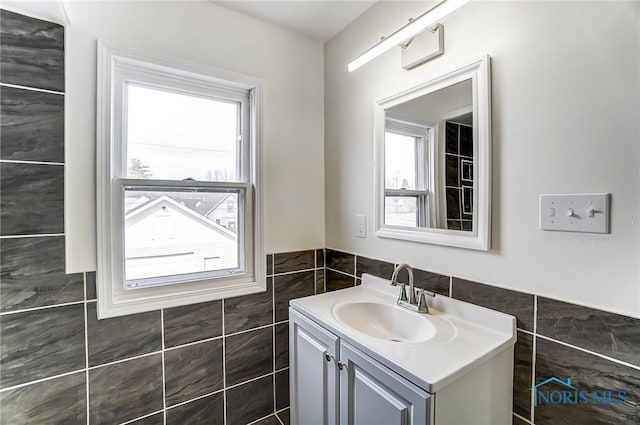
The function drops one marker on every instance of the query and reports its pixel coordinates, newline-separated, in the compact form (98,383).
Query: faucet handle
(403,293)
(422,301)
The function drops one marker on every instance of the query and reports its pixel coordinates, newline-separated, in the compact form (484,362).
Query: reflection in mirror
(423,135)
(433,160)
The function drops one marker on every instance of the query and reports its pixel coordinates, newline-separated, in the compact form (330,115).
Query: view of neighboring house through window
(176,232)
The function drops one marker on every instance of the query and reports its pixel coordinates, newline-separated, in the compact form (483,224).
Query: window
(178,150)
(407,189)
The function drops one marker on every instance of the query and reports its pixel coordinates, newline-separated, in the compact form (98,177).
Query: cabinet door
(313,374)
(371,394)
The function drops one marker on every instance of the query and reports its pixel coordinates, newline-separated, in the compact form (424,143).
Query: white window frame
(117,67)
(424,136)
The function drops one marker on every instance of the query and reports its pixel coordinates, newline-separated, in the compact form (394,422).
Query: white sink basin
(383,321)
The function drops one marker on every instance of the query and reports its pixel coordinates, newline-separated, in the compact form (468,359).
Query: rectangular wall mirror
(433,160)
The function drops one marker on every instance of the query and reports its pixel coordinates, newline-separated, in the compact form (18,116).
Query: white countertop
(467,335)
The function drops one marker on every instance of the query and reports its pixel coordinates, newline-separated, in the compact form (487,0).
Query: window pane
(173,136)
(170,233)
(399,161)
(401,211)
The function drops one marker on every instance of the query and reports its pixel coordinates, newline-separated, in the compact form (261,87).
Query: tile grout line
(188,344)
(86,348)
(341,272)
(148,415)
(38,381)
(521,418)
(532,403)
(17,86)
(584,350)
(273,321)
(191,400)
(41,235)
(115,362)
(224,367)
(257,421)
(164,376)
(293,272)
(44,307)
(20,161)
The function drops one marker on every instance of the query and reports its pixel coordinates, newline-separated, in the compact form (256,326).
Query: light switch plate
(585,212)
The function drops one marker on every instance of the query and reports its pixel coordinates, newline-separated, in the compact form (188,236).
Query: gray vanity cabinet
(333,382)
(371,394)
(313,373)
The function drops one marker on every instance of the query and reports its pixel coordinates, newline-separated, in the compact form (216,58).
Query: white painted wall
(566,114)
(202,32)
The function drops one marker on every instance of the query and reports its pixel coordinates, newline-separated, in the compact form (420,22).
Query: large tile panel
(32,199)
(58,401)
(289,286)
(282,389)
(335,281)
(248,355)
(588,373)
(32,274)
(515,303)
(31,125)
(426,280)
(249,311)
(282,345)
(41,343)
(122,337)
(31,52)
(205,411)
(595,330)
(340,261)
(522,374)
(373,267)
(193,371)
(126,390)
(249,402)
(294,261)
(191,323)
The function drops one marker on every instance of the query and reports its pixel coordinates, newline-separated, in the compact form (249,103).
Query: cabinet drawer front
(313,376)
(371,394)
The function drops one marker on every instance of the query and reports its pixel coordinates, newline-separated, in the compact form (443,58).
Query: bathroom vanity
(356,357)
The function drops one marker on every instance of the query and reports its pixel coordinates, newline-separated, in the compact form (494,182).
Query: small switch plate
(585,213)
(361,226)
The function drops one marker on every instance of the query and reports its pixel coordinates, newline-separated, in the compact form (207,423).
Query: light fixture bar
(413,28)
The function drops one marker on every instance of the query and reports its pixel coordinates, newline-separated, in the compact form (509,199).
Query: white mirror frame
(479,72)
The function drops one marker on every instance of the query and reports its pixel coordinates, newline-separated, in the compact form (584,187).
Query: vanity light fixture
(428,20)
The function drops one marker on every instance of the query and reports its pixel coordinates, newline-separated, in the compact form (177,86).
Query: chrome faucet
(411,303)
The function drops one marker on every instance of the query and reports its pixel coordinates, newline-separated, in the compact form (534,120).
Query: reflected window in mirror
(408,163)
(432,150)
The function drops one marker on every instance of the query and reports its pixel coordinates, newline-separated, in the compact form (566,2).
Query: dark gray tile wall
(118,372)
(31,52)
(599,350)
(59,364)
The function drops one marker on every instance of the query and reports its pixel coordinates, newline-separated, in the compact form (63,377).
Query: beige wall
(566,113)
(202,32)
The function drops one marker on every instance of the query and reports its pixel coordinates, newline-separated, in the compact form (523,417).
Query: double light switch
(587,213)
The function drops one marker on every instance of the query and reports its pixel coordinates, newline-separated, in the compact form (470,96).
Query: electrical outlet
(361,226)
